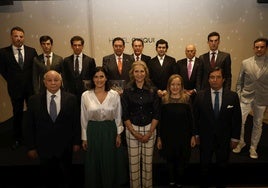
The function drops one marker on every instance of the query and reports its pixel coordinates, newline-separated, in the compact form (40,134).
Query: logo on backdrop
(146,40)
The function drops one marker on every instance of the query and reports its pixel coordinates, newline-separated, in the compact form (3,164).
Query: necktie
(53,108)
(137,58)
(48,61)
(216,104)
(76,67)
(189,67)
(212,61)
(20,59)
(119,65)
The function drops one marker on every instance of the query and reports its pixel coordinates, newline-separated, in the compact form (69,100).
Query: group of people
(71,104)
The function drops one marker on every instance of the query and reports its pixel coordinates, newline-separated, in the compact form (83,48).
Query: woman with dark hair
(101,127)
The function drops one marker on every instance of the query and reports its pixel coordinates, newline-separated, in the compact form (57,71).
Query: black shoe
(16,145)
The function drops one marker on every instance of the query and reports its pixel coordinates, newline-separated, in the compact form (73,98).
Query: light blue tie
(216,104)
(53,108)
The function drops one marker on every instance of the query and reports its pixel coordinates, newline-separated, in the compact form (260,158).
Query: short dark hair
(45,38)
(161,41)
(216,69)
(261,39)
(17,28)
(119,38)
(214,33)
(137,39)
(77,38)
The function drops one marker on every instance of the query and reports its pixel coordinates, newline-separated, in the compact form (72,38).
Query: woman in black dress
(175,137)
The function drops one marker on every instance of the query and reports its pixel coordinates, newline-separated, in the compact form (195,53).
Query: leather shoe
(16,145)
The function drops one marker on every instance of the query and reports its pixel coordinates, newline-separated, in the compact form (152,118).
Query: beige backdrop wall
(98,21)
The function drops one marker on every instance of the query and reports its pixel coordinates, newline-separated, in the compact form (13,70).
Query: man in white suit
(252,88)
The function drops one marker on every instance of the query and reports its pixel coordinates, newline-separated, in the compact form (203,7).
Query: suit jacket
(76,84)
(110,65)
(223,61)
(19,81)
(52,138)
(144,58)
(160,74)
(214,131)
(182,69)
(252,85)
(40,68)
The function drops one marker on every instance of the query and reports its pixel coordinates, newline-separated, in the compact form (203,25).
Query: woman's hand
(84,145)
(118,140)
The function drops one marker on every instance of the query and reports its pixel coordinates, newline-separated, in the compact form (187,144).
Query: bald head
(52,81)
(190,51)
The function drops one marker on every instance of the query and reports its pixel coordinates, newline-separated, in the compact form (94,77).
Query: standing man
(137,46)
(118,64)
(212,59)
(217,116)
(53,131)
(252,88)
(17,64)
(161,67)
(78,69)
(188,68)
(44,62)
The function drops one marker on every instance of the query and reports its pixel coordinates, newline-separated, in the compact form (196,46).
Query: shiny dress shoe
(16,145)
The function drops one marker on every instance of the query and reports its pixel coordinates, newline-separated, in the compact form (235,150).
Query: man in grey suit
(214,58)
(53,134)
(252,88)
(44,62)
(111,62)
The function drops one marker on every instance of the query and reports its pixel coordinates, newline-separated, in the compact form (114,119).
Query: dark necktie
(137,58)
(53,108)
(48,61)
(212,61)
(216,104)
(76,67)
(20,59)
(189,67)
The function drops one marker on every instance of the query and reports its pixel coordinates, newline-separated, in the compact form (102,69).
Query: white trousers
(140,158)
(258,113)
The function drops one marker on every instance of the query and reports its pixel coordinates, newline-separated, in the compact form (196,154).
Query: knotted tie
(137,58)
(119,65)
(212,61)
(20,59)
(48,61)
(216,104)
(53,108)
(76,67)
(189,67)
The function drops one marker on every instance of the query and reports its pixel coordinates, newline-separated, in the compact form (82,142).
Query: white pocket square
(230,106)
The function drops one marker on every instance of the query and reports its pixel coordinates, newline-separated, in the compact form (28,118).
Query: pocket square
(230,106)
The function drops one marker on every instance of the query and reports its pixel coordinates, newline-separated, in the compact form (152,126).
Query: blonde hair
(184,98)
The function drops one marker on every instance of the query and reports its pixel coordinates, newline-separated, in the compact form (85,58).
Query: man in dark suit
(77,69)
(188,68)
(218,119)
(209,61)
(53,135)
(17,66)
(161,67)
(44,62)
(112,62)
(137,46)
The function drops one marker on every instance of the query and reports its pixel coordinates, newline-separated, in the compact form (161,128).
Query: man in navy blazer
(18,75)
(222,60)
(44,62)
(219,132)
(73,82)
(110,62)
(161,67)
(53,141)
